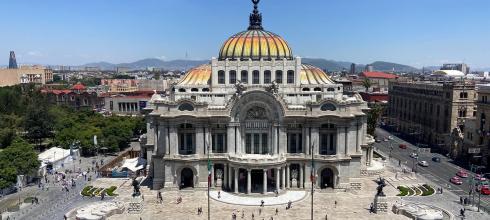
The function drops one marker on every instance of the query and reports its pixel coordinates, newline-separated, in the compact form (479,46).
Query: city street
(438,172)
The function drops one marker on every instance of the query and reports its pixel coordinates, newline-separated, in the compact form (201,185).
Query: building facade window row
(256,77)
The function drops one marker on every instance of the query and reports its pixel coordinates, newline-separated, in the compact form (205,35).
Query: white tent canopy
(134,164)
(53,154)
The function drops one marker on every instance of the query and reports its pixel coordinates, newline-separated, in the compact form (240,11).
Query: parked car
(390,137)
(479,177)
(423,163)
(436,159)
(481,187)
(485,191)
(462,174)
(377,140)
(385,139)
(403,146)
(414,155)
(456,180)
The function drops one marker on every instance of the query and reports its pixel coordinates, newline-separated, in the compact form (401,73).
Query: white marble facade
(258,120)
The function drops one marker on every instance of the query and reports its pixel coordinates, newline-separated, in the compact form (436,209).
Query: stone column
(282,140)
(283,181)
(225,176)
(307,140)
(249,181)
(301,175)
(230,174)
(236,179)
(273,149)
(174,139)
(278,173)
(238,140)
(265,181)
(346,144)
(340,140)
(212,175)
(200,145)
(315,140)
(230,139)
(287,177)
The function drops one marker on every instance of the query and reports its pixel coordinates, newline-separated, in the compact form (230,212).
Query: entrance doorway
(186,178)
(327,178)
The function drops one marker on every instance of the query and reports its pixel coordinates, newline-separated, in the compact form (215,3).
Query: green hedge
(110,191)
(429,191)
(403,191)
(87,191)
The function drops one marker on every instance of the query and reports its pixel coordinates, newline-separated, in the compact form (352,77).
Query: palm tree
(366,83)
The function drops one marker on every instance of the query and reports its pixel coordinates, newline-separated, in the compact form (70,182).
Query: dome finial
(255,18)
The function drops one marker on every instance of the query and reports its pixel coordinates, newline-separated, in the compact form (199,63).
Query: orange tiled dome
(255,44)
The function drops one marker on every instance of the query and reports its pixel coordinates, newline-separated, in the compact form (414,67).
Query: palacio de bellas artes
(256,120)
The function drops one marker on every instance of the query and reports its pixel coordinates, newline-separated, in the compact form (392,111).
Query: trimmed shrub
(110,191)
(430,190)
(87,191)
(403,191)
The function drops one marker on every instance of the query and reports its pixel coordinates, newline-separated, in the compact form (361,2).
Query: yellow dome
(197,76)
(312,75)
(255,44)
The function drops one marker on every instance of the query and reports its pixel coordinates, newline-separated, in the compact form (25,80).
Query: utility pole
(312,177)
(209,181)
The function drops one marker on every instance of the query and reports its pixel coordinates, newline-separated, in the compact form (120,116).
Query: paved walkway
(230,198)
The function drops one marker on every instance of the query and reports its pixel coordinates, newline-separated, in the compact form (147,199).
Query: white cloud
(35,54)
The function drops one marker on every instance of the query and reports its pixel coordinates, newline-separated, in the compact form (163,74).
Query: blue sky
(413,32)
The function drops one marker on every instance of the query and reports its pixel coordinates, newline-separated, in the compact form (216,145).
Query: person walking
(277,211)
(335,204)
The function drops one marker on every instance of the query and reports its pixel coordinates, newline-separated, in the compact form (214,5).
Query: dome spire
(255,18)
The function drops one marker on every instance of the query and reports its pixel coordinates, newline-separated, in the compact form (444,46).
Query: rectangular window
(265,146)
(255,77)
(248,143)
(323,144)
(279,76)
(189,143)
(267,76)
(232,77)
(290,77)
(256,141)
(221,77)
(244,77)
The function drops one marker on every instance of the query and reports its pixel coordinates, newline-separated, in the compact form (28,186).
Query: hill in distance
(329,65)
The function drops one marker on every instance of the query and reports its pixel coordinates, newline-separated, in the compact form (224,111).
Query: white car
(390,137)
(423,163)
(414,155)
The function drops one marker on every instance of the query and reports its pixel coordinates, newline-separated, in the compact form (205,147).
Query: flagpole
(209,181)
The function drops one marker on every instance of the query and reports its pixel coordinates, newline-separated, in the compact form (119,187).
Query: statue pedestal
(380,204)
(219,183)
(294,183)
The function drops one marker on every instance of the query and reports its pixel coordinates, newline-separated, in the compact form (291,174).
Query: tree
(373,118)
(8,176)
(366,83)
(38,122)
(19,156)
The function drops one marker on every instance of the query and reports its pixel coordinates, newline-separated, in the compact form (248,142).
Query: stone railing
(365,172)
(259,159)
(355,185)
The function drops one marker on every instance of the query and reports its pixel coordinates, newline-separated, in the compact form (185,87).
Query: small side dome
(312,75)
(200,75)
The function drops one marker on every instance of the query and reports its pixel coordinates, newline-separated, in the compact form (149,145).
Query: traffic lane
(441,172)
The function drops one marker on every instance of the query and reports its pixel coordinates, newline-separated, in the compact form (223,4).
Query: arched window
(328,107)
(330,89)
(317,89)
(267,76)
(221,77)
(187,139)
(328,139)
(194,90)
(181,90)
(186,107)
(205,89)
(255,77)
(244,76)
(463,95)
(306,89)
(279,76)
(290,76)
(232,76)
